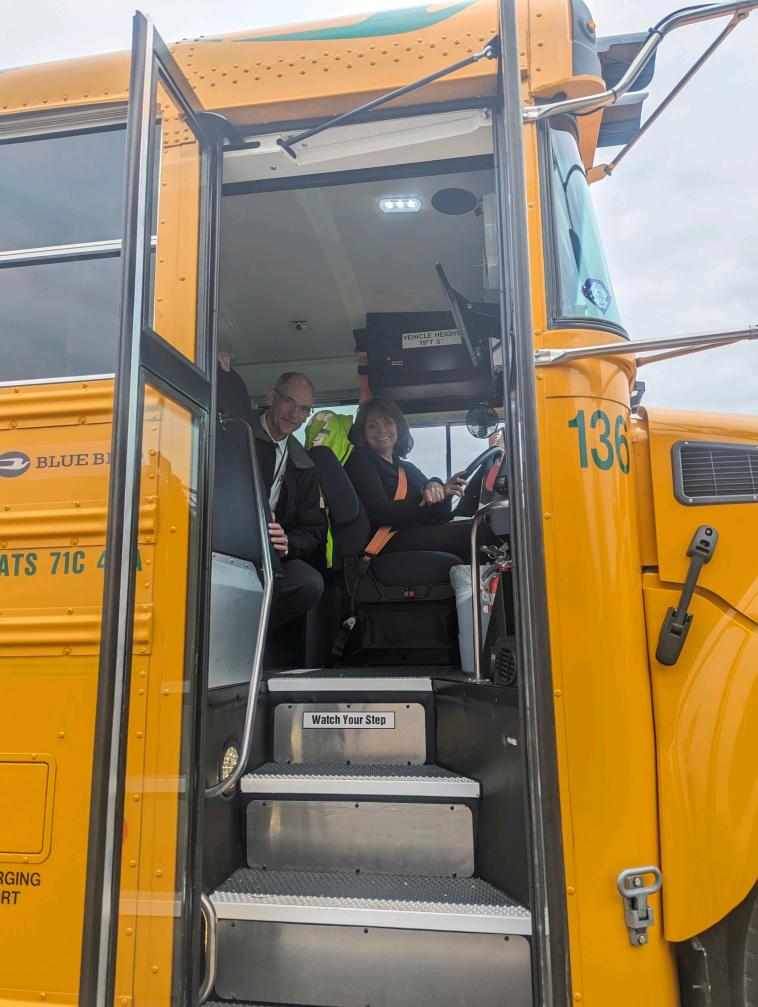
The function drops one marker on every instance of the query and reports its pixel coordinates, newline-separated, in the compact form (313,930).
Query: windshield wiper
(490,51)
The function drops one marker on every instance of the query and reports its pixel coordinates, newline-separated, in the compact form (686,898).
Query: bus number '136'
(613,446)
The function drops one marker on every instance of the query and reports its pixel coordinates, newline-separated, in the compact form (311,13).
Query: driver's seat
(404,600)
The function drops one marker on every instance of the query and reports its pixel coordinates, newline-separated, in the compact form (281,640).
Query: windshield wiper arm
(490,51)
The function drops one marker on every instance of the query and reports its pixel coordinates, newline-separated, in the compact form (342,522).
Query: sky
(679,217)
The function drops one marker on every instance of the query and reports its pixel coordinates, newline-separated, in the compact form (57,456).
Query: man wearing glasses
(297,525)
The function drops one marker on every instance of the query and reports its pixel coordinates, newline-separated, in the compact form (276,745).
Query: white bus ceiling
(328,256)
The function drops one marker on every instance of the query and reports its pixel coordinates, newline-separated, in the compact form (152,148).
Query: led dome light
(400,204)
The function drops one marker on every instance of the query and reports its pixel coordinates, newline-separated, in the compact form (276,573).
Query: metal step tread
(359,780)
(381,900)
(351,680)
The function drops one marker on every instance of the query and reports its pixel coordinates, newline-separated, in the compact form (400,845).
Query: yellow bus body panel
(706,705)
(52,548)
(601,679)
(312,71)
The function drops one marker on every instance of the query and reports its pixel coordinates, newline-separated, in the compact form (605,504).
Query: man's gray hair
(285,378)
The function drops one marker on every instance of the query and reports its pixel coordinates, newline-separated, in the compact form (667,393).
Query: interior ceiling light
(400,204)
(454,201)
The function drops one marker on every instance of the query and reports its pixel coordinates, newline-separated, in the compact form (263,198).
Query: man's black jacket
(298,509)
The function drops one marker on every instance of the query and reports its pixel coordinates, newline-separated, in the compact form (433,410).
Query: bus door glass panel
(156,813)
(176,260)
(163,415)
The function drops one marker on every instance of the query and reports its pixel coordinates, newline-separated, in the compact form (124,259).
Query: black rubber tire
(742,951)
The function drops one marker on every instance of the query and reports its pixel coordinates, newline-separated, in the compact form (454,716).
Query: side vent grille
(706,472)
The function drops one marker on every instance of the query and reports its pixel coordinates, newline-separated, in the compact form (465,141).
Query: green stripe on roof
(391,22)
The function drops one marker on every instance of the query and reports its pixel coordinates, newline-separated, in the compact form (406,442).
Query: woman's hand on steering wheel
(455,485)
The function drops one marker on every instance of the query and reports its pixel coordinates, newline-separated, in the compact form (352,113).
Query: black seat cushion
(418,567)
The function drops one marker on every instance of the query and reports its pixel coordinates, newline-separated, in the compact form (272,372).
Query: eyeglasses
(294,407)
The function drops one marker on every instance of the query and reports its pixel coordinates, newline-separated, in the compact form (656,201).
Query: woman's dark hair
(379,406)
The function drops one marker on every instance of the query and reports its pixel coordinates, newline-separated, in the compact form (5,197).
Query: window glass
(429,451)
(59,319)
(464,447)
(584,286)
(61,190)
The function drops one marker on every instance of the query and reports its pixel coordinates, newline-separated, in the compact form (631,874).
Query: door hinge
(633,890)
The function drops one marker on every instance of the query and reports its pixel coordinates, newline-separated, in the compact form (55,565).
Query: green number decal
(622,445)
(605,439)
(618,451)
(578,424)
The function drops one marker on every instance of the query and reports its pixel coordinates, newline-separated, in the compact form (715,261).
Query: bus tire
(742,944)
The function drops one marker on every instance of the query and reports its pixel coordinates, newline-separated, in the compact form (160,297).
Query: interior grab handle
(677,622)
(268,589)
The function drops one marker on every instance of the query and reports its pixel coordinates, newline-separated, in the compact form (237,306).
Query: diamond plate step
(338,779)
(350,680)
(463,905)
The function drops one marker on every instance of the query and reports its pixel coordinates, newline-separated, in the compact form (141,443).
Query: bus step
(350,680)
(394,819)
(352,731)
(338,779)
(330,939)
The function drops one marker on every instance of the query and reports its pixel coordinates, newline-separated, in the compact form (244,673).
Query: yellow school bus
(398,202)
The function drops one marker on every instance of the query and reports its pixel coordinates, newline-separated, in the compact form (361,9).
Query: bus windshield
(583,287)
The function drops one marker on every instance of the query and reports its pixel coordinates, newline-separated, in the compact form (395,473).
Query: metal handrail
(683,344)
(211,948)
(679,19)
(268,589)
(480,515)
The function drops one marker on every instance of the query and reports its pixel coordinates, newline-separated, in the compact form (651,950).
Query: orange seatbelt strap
(382,535)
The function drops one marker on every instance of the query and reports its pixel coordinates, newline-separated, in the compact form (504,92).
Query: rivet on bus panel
(14,424)
(82,419)
(570,890)
(139,734)
(66,651)
(158,872)
(165,692)
(135,797)
(155,968)
(61,735)
(558,693)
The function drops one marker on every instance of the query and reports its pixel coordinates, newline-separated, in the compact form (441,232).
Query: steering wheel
(480,460)
(473,467)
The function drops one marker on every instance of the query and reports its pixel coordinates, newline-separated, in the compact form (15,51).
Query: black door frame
(551,971)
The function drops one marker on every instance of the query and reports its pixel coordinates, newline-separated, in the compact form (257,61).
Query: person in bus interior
(297,528)
(421,514)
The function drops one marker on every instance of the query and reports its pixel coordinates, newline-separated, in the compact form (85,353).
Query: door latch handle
(676,624)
